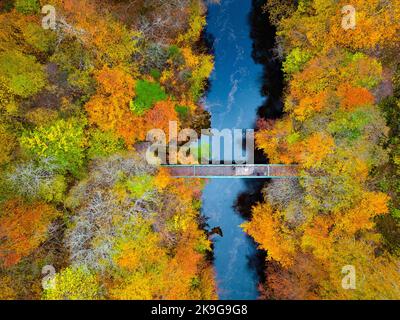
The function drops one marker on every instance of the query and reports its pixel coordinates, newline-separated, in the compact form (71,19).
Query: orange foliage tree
(353,97)
(268,229)
(160,115)
(332,130)
(316,148)
(109,107)
(23,227)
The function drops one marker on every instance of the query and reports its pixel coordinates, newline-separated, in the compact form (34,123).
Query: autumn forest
(84,215)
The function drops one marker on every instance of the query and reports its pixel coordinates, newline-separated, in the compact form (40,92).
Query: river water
(233,100)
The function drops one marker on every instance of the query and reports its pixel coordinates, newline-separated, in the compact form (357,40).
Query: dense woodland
(341,126)
(75,192)
(77,195)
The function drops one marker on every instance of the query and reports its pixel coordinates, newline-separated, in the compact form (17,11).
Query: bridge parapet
(208,171)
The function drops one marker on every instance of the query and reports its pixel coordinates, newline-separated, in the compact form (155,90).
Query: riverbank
(320,232)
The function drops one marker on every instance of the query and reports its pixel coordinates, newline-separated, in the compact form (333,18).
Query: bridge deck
(264,171)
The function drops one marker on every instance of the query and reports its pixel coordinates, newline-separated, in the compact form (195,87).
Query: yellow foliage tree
(316,148)
(269,231)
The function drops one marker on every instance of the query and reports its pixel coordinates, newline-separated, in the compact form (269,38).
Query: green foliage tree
(199,76)
(63,142)
(389,176)
(27,6)
(138,186)
(73,283)
(147,94)
(23,75)
(183,112)
(197,22)
(103,144)
(39,39)
(350,125)
(295,61)
(8,143)
(77,62)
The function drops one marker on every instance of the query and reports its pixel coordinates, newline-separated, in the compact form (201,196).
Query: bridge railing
(272,171)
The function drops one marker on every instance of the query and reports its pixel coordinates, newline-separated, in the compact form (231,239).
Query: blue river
(233,100)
